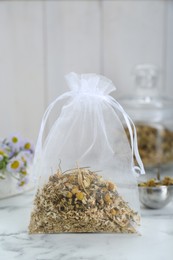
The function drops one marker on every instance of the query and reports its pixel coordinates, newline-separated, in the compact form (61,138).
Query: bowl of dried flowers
(16,155)
(155,193)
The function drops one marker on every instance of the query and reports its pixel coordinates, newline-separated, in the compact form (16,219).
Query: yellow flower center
(1,152)
(24,173)
(15,165)
(14,139)
(23,159)
(27,146)
(22,183)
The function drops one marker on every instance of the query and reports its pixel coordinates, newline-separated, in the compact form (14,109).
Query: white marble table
(156,241)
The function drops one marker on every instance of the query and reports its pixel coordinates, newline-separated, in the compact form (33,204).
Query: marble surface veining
(156,241)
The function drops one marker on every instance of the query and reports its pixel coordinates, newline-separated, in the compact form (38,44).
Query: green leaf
(2,164)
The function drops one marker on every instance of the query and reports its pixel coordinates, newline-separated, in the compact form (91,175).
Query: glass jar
(152,114)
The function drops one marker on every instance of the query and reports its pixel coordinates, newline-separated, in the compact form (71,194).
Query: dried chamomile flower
(111,186)
(107,198)
(75,190)
(167,181)
(113,212)
(79,195)
(69,194)
(154,182)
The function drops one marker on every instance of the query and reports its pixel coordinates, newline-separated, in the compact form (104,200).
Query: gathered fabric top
(89,84)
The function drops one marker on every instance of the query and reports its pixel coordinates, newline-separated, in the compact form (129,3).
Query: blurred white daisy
(22,182)
(26,157)
(15,165)
(14,141)
(28,146)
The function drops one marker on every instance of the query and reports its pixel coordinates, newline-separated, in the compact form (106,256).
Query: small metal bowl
(155,197)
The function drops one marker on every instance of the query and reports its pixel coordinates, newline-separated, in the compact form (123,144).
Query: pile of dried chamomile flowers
(80,200)
(155,144)
(155,182)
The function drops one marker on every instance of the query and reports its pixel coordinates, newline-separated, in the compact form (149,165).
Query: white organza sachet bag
(85,167)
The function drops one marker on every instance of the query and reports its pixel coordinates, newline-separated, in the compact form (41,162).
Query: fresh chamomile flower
(7,150)
(3,153)
(15,165)
(22,182)
(14,141)
(24,172)
(28,146)
(26,157)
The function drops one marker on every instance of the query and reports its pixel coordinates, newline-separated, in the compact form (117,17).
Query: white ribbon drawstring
(131,127)
(133,136)
(39,145)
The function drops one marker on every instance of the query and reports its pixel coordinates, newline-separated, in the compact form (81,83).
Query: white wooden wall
(41,41)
